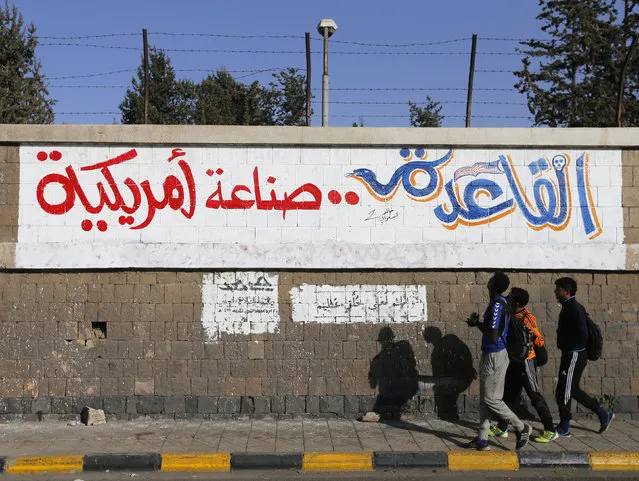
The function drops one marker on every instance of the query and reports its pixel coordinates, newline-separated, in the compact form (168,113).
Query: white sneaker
(370,417)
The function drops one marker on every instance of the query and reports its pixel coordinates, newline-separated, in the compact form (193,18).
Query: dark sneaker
(478,444)
(523,436)
(606,422)
(563,433)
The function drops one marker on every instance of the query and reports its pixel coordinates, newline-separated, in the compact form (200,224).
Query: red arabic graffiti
(178,193)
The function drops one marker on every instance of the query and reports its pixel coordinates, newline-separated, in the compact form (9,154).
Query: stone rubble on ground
(92,417)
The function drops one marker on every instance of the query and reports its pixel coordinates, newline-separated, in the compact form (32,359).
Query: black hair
(519,296)
(567,284)
(500,282)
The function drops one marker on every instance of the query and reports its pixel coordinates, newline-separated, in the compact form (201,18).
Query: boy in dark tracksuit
(572,335)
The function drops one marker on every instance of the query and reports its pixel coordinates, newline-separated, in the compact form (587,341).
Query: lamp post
(325,28)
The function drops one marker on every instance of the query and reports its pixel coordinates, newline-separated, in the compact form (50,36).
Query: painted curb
(396,459)
(614,461)
(44,464)
(267,460)
(355,461)
(320,461)
(482,460)
(178,462)
(540,460)
(123,462)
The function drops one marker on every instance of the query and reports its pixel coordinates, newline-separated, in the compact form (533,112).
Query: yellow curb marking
(45,464)
(338,461)
(467,461)
(196,462)
(609,461)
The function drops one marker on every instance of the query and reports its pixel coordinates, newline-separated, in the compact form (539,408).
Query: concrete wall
(143,321)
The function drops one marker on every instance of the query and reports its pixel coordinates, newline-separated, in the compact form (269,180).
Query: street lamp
(326,28)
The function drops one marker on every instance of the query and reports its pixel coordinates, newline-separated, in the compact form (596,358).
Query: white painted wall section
(239,303)
(274,207)
(367,304)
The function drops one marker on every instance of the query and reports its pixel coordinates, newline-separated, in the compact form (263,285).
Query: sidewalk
(327,444)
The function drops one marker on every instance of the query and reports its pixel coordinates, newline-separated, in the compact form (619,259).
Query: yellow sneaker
(546,437)
(495,432)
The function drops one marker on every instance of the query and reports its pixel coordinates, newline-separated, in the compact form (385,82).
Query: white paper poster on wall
(304,207)
(367,304)
(239,303)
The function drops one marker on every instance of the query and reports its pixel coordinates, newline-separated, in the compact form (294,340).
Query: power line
(416,89)
(399,45)
(262,52)
(90,75)
(357,102)
(222,35)
(88,86)
(84,37)
(61,44)
(295,37)
(88,113)
(345,89)
(445,116)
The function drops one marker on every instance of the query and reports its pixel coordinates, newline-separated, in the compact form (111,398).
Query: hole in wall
(99,330)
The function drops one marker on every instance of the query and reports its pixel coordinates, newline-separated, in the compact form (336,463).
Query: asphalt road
(404,475)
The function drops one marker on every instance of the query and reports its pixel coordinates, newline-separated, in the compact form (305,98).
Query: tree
(288,95)
(427,116)
(224,101)
(572,79)
(24,98)
(171,101)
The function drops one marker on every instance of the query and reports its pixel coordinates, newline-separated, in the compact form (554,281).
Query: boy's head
(565,287)
(498,283)
(519,297)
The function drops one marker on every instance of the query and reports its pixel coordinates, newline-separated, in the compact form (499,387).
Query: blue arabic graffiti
(550,206)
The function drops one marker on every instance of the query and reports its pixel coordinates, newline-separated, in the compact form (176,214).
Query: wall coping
(320,136)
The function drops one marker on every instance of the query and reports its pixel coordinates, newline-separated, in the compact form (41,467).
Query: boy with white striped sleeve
(572,335)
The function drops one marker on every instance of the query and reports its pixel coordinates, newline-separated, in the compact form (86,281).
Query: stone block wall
(133,343)
(142,340)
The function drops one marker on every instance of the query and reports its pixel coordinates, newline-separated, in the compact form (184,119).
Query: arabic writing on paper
(368,304)
(239,303)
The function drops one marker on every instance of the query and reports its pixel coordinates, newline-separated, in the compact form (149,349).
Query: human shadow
(393,371)
(458,439)
(453,371)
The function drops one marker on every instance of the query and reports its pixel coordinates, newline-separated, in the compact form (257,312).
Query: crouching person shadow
(453,371)
(393,371)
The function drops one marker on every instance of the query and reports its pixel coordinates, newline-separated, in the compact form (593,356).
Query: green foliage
(24,98)
(171,101)
(427,116)
(224,101)
(218,100)
(572,79)
(288,97)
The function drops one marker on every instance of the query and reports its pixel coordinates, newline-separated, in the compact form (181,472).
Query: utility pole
(308,79)
(145,45)
(471,74)
(325,28)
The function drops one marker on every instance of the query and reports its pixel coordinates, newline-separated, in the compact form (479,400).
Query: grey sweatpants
(492,375)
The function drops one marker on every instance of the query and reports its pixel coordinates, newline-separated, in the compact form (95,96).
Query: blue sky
(381,68)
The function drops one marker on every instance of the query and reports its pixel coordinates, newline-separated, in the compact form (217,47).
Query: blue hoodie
(492,320)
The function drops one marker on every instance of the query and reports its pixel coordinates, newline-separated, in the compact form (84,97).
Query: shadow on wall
(393,371)
(453,371)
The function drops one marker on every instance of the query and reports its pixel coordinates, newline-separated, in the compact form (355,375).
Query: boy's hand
(473,319)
